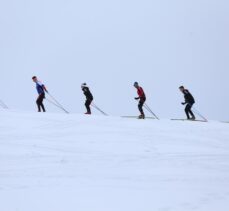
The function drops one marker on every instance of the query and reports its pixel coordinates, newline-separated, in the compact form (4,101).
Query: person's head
(83,85)
(181,88)
(34,78)
(136,85)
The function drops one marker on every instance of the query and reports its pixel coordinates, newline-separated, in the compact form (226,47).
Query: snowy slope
(58,162)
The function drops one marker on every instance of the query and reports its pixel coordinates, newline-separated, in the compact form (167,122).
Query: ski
(136,117)
(191,120)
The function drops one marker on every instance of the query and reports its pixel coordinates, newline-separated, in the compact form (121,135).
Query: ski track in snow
(58,162)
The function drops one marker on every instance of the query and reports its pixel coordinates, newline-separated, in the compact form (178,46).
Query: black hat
(135,84)
(83,85)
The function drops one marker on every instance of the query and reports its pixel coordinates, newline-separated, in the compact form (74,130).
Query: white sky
(110,44)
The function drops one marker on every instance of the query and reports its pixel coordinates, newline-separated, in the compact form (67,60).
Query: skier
(142,98)
(189,101)
(41,89)
(89,97)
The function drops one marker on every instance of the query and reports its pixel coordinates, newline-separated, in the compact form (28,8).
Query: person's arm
(137,98)
(186,92)
(45,88)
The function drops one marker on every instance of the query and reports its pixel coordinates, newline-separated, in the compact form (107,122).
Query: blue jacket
(40,88)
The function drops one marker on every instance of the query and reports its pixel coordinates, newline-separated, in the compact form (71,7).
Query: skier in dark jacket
(89,97)
(189,101)
(142,98)
(41,89)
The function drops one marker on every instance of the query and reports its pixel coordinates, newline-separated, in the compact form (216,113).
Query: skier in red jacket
(142,98)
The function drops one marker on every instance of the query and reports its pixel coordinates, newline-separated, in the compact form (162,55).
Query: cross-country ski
(137,117)
(191,120)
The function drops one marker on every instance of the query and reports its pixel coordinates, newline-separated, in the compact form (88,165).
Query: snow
(59,162)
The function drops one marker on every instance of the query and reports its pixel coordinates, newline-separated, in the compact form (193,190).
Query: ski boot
(193,118)
(142,116)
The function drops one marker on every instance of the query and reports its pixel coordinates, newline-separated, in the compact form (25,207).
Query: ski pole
(3,105)
(155,116)
(198,113)
(57,103)
(96,107)
(149,109)
(50,101)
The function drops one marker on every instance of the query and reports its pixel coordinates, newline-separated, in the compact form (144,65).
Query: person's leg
(192,114)
(87,105)
(187,110)
(140,107)
(39,104)
(42,105)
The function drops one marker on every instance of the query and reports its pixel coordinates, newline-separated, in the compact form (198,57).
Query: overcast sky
(110,44)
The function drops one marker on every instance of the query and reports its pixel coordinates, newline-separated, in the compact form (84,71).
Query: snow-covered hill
(58,162)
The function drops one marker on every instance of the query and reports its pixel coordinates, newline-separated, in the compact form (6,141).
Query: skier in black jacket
(89,97)
(189,101)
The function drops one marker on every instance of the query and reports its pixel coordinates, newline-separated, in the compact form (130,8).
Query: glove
(183,103)
(136,98)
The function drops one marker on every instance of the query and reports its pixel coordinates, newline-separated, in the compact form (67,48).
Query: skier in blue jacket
(41,89)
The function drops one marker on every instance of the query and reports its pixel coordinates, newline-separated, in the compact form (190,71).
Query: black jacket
(87,93)
(188,97)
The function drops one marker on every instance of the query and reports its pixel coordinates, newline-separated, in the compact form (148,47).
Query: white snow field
(59,162)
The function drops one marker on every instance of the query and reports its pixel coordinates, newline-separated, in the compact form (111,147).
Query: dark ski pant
(140,105)
(40,102)
(189,111)
(87,105)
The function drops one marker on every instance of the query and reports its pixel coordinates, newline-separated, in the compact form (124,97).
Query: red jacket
(141,93)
